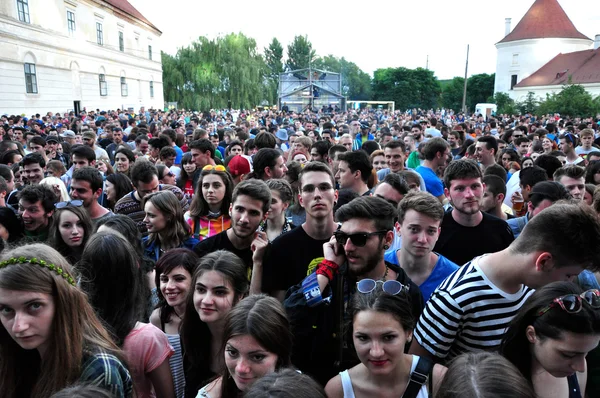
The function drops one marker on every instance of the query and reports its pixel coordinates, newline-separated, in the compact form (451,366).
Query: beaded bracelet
(24,260)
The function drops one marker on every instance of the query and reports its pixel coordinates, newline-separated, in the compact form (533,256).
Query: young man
(466,230)
(473,307)
(485,151)
(354,253)
(87,186)
(89,139)
(587,140)
(268,163)
(455,142)
(392,189)
(295,254)
(419,218)
(354,170)
(117,134)
(395,157)
(568,142)
(249,205)
(493,196)
(522,145)
(144,177)
(36,206)
(319,151)
(34,166)
(573,179)
(436,152)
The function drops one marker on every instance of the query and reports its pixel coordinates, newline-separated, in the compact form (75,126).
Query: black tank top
(574,391)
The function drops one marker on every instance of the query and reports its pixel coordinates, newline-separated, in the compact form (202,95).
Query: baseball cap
(89,134)
(551,190)
(68,134)
(51,138)
(238,166)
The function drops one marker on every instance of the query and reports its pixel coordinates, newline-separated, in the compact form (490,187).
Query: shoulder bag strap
(418,378)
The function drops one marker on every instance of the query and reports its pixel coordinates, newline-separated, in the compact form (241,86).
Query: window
(99,34)
(513,81)
(121,42)
(149,52)
(123,87)
(71,22)
(103,87)
(30,79)
(23,9)
(151,89)
(515,59)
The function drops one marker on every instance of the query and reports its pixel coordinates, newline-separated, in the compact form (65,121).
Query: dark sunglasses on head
(573,303)
(358,239)
(390,287)
(72,203)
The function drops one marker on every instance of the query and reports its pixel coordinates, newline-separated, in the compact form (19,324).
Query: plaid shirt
(106,371)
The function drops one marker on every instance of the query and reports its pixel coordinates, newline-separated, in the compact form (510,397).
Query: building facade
(63,55)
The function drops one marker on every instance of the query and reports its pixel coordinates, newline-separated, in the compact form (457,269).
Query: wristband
(327,268)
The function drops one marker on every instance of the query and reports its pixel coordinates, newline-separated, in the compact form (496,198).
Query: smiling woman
(70,230)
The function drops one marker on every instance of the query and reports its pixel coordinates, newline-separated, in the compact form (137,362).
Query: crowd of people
(265,253)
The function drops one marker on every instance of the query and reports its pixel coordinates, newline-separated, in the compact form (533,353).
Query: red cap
(238,165)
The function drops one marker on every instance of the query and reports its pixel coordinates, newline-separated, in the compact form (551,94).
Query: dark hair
(264,318)
(592,169)
(158,142)
(282,187)
(176,230)
(262,140)
(91,175)
(532,175)
(496,170)
(33,158)
(122,185)
(113,281)
(318,167)
(369,147)
(549,163)
(143,171)
(286,383)
(550,325)
(395,144)
(423,203)
(12,224)
(571,171)
(490,143)
(83,151)
(397,182)
(369,208)
(203,145)
(172,259)
(483,374)
(461,169)
(255,189)
(199,206)
(43,193)
(335,149)
(6,172)
(83,391)
(495,184)
(357,161)
(9,157)
(195,335)
(127,152)
(433,146)
(55,239)
(265,157)
(322,147)
(576,242)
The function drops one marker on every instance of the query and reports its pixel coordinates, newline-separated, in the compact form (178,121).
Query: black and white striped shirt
(467,312)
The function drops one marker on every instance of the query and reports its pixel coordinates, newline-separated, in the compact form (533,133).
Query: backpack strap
(418,377)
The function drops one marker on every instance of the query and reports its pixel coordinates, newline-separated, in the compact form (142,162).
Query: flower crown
(24,260)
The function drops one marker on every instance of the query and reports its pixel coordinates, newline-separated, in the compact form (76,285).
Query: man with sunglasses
(353,264)
(472,308)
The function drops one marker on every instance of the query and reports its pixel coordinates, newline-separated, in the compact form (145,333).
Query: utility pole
(464,101)
(427,63)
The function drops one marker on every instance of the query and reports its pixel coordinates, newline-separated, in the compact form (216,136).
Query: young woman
(483,374)
(116,186)
(114,283)
(382,324)
(70,230)
(219,282)
(592,173)
(174,273)
(550,337)
(209,211)
(548,145)
(166,226)
(165,175)
(103,166)
(300,157)
(527,162)
(258,341)
(124,159)
(50,336)
(185,181)
(378,160)
(235,147)
(281,197)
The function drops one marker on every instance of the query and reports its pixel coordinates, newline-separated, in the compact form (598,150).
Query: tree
(573,100)
(479,89)
(506,105)
(529,105)
(300,53)
(356,84)
(409,88)
(452,93)
(274,63)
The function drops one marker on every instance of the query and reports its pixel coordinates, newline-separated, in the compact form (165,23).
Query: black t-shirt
(221,241)
(292,256)
(461,244)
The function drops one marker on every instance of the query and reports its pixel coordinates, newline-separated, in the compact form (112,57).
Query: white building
(61,55)
(532,56)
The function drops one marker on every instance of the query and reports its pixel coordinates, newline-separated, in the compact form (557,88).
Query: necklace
(385,274)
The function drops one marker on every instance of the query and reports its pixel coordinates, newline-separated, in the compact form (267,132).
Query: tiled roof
(580,66)
(545,18)
(127,8)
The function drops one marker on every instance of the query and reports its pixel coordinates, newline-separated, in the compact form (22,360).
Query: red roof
(580,66)
(545,18)
(130,10)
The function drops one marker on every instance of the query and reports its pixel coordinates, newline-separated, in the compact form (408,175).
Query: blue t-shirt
(179,155)
(442,269)
(433,183)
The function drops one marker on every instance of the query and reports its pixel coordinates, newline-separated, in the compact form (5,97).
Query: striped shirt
(176,364)
(107,372)
(467,312)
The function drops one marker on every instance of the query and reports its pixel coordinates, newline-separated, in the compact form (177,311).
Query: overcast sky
(372,34)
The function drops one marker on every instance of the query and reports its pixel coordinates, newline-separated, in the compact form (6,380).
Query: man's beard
(369,265)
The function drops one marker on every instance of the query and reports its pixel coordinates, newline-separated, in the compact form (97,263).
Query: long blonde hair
(57,186)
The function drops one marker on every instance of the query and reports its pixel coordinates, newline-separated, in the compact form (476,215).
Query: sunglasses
(211,167)
(72,203)
(392,287)
(358,239)
(573,303)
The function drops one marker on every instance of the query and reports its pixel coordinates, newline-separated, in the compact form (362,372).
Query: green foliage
(300,53)
(356,84)
(506,105)
(409,88)
(573,100)
(529,105)
(274,62)
(452,94)
(479,89)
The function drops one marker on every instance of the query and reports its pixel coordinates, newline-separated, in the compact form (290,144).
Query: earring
(386,247)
